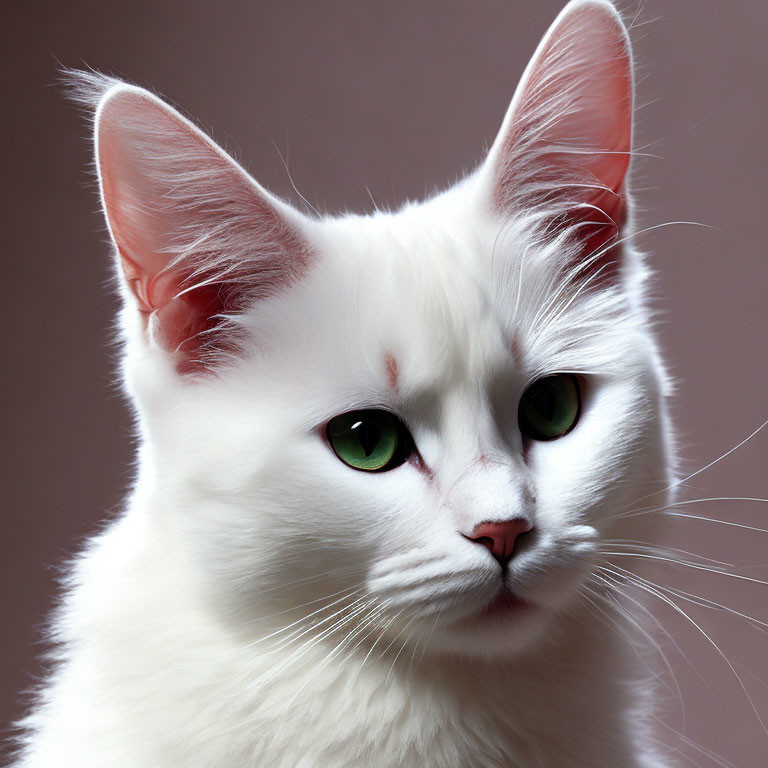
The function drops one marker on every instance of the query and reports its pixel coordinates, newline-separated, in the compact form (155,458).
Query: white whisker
(678,483)
(657,593)
(689,565)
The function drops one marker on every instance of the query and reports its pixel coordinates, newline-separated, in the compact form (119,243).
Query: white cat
(382,459)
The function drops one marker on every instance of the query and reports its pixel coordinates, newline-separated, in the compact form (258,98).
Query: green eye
(370,440)
(550,407)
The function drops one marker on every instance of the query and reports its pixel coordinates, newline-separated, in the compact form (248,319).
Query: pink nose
(499,538)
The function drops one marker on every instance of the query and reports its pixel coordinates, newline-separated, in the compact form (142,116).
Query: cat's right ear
(197,238)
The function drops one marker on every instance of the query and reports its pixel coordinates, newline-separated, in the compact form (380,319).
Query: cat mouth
(504,605)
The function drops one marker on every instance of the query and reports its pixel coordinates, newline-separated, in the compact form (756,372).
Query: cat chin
(493,633)
(509,624)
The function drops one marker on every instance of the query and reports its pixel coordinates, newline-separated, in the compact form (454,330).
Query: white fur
(196,631)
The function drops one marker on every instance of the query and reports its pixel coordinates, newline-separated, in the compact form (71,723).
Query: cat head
(425,421)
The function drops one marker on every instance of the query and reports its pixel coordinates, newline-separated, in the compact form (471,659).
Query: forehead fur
(452,294)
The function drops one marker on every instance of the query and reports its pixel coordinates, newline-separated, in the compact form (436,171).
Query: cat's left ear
(564,147)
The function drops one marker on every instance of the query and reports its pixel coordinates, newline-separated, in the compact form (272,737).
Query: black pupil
(545,403)
(368,434)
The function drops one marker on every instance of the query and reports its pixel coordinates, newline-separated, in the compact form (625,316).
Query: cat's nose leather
(500,537)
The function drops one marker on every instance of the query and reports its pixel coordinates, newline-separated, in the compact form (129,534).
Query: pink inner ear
(179,318)
(197,238)
(565,144)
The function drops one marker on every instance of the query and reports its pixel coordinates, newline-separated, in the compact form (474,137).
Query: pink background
(399,97)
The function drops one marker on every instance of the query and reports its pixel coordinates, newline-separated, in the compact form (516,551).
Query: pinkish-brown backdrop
(395,98)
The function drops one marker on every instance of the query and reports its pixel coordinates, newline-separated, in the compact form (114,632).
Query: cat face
(491,344)
(404,313)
